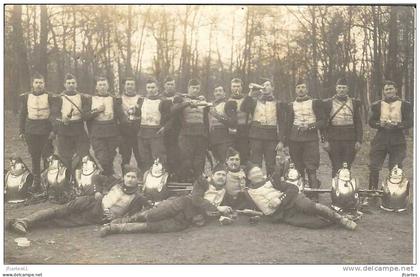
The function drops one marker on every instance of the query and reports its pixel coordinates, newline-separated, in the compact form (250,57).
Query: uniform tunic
(234,109)
(71,137)
(103,130)
(344,128)
(388,141)
(129,124)
(304,145)
(35,123)
(193,137)
(219,138)
(264,129)
(153,113)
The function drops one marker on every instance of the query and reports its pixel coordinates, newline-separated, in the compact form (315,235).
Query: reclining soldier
(282,202)
(207,199)
(121,199)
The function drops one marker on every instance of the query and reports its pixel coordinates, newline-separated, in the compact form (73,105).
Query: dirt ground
(381,237)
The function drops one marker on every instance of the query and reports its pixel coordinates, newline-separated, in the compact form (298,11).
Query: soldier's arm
(282,121)
(224,119)
(206,120)
(165,111)
(231,113)
(319,115)
(290,190)
(85,105)
(358,120)
(90,113)
(246,201)
(325,106)
(199,188)
(179,105)
(406,116)
(119,111)
(116,105)
(23,113)
(248,105)
(374,116)
(55,115)
(138,203)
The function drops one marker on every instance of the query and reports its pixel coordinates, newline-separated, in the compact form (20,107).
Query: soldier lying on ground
(207,199)
(122,199)
(282,202)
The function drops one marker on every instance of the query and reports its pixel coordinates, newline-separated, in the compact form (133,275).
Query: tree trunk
(391,69)
(42,66)
(21,77)
(129,70)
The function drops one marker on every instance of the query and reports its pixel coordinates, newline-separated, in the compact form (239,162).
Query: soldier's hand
(65,120)
(21,136)
(98,195)
(108,214)
(51,136)
(326,146)
(279,146)
(212,111)
(225,210)
(193,103)
(357,146)
(201,98)
(275,203)
(161,131)
(100,108)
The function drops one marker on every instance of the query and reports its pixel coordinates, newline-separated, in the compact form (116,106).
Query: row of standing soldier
(180,128)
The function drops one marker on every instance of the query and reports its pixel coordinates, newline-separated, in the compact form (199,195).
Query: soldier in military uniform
(172,129)
(304,117)
(281,201)
(264,138)
(235,179)
(234,110)
(193,139)
(102,126)
(35,125)
(69,111)
(219,138)
(207,200)
(390,116)
(112,199)
(153,112)
(343,135)
(129,123)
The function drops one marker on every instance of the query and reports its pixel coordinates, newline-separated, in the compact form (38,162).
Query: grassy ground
(381,237)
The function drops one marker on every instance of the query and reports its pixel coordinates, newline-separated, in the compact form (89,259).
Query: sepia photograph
(210,134)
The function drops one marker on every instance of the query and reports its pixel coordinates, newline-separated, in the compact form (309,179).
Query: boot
(22,225)
(328,213)
(125,228)
(18,226)
(313,183)
(373,179)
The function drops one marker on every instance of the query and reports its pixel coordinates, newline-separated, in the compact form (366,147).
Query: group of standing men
(180,128)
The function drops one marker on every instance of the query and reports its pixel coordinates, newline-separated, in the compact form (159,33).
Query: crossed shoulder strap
(339,109)
(68,99)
